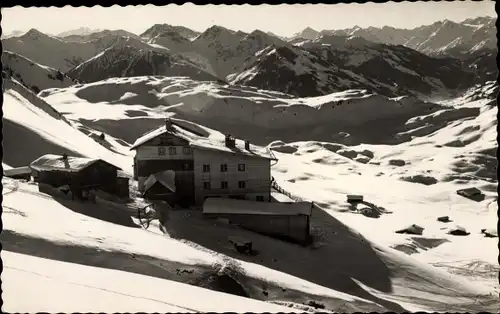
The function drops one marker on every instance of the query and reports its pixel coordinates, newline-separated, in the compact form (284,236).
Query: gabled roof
(201,141)
(165,178)
(52,162)
(234,206)
(17,171)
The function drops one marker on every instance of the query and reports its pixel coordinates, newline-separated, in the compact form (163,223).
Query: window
(161,151)
(241,184)
(223,168)
(172,150)
(241,167)
(206,168)
(223,185)
(206,185)
(186,150)
(260,198)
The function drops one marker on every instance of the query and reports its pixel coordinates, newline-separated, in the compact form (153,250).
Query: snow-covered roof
(165,178)
(52,162)
(234,206)
(16,171)
(197,139)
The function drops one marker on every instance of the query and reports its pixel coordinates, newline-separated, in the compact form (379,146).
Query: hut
(81,174)
(161,186)
(21,173)
(290,221)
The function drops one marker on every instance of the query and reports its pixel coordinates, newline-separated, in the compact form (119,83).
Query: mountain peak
(215,31)
(307,33)
(34,34)
(82,31)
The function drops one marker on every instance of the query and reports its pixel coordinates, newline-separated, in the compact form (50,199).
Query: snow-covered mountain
(31,74)
(123,60)
(48,50)
(307,33)
(335,63)
(81,31)
(64,55)
(440,38)
(158,30)
(99,34)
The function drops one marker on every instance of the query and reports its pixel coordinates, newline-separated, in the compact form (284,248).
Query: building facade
(221,174)
(167,152)
(221,169)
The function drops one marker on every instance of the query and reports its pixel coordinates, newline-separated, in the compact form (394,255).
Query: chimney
(65,160)
(229,141)
(168,123)
(247,145)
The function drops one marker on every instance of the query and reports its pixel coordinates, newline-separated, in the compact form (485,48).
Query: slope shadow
(21,145)
(337,256)
(127,130)
(99,211)
(91,256)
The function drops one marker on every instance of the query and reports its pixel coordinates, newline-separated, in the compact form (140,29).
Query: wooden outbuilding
(21,173)
(80,174)
(290,221)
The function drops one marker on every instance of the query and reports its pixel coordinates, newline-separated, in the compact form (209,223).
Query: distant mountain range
(443,38)
(439,59)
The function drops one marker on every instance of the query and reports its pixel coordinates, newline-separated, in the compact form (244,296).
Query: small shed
(122,185)
(289,221)
(160,186)
(21,173)
(77,172)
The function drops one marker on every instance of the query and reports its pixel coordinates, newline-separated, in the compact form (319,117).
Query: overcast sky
(283,20)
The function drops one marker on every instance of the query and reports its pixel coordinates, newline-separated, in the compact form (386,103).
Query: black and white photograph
(293,158)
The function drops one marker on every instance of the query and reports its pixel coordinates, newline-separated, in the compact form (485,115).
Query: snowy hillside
(122,60)
(258,115)
(31,74)
(45,130)
(443,149)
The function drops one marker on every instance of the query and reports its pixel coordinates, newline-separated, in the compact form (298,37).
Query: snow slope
(107,238)
(44,130)
(417,190)
(336,266)
(33,75)
(261,116)
(92,289)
